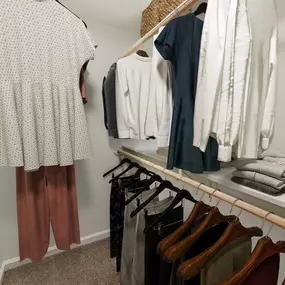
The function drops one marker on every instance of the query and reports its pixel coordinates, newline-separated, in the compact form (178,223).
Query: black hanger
(71,12)
(202,9)
(130,167)
(143,170)
(154,178)
(142,53)
(183,194)
(164,185)
(125,160)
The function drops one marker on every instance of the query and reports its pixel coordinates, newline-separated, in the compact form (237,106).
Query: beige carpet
(87,265)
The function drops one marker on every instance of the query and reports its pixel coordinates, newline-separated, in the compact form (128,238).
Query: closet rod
(274,219)
(182,8)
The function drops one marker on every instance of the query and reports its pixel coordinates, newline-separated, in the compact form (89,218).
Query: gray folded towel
(262,178)
(258,186)
(264,167)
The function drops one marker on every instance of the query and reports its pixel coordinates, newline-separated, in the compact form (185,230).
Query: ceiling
(114,12)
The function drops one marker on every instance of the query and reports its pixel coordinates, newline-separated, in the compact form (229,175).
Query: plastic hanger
(202,9)
(212,219)
(143,170)
(154,178)
(264,249)
(199,210)
(164,185)
(234,231)
(183,194)
(125,160)
(130,167)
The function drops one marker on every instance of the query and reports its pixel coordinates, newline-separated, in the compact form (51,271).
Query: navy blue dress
(179,42)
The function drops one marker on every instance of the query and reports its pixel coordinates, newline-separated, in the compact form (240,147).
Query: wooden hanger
(199,209)
(178,250)
(234,231)
(202,9)
(164,185)
(142,53)
(125,160)
(154,178)
(264,249)
(183,194)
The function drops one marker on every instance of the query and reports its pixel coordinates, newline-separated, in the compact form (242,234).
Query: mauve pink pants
(46,197)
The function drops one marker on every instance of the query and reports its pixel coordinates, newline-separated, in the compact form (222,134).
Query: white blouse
(42,50)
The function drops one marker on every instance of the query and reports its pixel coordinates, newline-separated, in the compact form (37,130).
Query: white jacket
(210,66)
(236,105)
(234,77)
(258,114)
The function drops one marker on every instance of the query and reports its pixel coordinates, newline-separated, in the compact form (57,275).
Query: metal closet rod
(268,216)
(182,8)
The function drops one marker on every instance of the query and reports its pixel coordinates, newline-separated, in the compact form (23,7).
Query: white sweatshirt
(133,83)
(160,105)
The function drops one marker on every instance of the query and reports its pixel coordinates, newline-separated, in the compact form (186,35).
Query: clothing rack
(182,8)
(268,216)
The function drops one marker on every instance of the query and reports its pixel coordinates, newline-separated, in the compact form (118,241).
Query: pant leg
(33,214)
(61,191)
(157,271)
(113,219)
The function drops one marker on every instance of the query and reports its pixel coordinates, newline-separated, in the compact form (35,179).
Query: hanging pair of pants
(46,197)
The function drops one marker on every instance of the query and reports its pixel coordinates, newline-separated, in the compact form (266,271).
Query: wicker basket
(155,12)
(167,6)
(150,17)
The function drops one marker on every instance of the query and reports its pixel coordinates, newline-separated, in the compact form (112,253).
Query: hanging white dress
(43,47)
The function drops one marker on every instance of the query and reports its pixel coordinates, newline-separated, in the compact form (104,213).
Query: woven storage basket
(150,17)
(167,6)
(155,12)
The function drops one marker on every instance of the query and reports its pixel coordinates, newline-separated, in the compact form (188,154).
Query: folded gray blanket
(258,186)
(262,178)
(275,160)
(273,153)
(264,167)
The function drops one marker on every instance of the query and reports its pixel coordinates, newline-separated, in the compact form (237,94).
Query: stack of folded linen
(262,175)
(274,156)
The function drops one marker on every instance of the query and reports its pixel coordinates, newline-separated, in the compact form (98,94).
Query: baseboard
(15,262)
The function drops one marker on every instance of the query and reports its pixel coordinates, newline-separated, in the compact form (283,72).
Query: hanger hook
(198,188)
(211,196)
(233,204)
(270,230)
(265,219)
